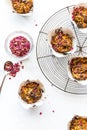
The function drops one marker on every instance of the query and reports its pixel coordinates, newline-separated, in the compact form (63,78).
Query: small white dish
(36,104)
(66,31)
(13,35)
(83,82)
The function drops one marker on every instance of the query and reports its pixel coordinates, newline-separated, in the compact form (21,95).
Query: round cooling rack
(54,68)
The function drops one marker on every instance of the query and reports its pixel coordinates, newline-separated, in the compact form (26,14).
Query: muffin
(79,16)
(22,6)
(78,69)
(61,41)
(78,123)
(31,93)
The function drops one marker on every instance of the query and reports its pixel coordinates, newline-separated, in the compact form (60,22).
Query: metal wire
(53,68)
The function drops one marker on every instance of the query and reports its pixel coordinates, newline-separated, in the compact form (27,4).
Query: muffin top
(78,67)
(78,123)
(79,15)
(61,42)
(22,6)
(30,92)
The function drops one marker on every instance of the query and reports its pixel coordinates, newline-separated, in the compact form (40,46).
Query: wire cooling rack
(54,68)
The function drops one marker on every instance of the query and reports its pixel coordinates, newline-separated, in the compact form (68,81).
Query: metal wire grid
(55,69)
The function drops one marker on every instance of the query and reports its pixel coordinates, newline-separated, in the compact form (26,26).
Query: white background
(12,115)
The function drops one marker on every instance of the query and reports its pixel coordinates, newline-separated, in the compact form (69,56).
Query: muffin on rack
(62,41)
(79,16)
(22,6)
(77,69)
(78,123)
(31,93)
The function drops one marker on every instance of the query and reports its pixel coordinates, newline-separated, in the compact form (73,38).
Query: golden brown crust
(79,15)
(30,91)
(78,67)
(22,6)
(61,42)
(78,123)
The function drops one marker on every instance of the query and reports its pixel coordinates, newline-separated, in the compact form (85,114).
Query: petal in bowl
(18,45)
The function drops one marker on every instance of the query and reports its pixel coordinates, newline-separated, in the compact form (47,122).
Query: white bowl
(83,82)
(36,104)
(65,30)
(83,30)
(10,37)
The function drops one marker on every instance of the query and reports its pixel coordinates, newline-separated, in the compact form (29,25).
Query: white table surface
(12,115)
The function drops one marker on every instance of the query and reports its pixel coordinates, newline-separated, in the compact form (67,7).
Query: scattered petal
(36,24)
(22,67)
(72,48)
(15,69)
(53,111)
(19,46)
(40,113)
(20,62)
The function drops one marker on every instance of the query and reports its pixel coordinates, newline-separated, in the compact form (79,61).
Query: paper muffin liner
(26,14)
(83,30)
(83,82)
(36,104)
(66,31)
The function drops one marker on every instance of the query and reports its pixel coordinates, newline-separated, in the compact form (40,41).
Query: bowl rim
(10,37)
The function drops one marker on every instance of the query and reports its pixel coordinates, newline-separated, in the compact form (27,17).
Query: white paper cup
(83,82)
(36,104)
(83,30)
(66,31)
